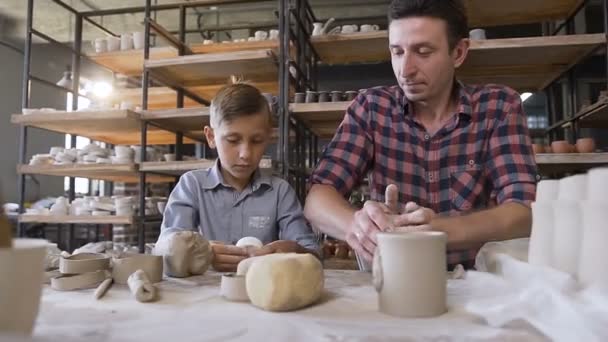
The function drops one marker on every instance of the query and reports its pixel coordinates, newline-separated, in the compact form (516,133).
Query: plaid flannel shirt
(480,158)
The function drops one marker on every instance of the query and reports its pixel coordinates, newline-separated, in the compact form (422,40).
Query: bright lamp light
(102,89)
(525,96)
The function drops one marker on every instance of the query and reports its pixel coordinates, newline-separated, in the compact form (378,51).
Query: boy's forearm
(506,221)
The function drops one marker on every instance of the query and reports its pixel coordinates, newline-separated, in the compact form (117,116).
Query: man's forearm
(328,211)
(505,222)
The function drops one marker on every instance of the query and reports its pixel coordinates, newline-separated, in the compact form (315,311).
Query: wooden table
(192,310)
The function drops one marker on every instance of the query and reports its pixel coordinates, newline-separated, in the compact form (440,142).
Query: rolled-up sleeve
(290,219)
(347,158)
(181,212)
(511,164)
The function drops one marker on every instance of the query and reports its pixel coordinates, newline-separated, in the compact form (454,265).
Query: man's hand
(227,257)
(279,246)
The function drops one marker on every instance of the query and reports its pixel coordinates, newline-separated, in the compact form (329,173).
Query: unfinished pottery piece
(585,145)
(234,288)
(567,222)
(412,271)
(20,292)
(540,251)
(561,146)
(285,281)
(185,253)
(249,241)
(128,263)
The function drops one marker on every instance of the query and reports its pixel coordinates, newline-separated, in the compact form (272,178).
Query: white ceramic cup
(170,157)
(478,34)
(21,270)
(568,228)
(123,151)
(126,41)
(592,267)
(547,190)
(573,188)
(349,28)
(273,34)
(138,40)
(207,41)
(113,43)
(367,28)
(100,45)
(410,274)
(260,35)
(540,251)
(597,184)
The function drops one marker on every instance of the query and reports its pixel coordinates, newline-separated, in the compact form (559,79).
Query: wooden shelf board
(569,162)
(111,172)
(189,121)
(118,127)
(71,219)
(166,98)
(521,63)
(484,13)
(200,48)
(176,168)
(215,68)
(130,62)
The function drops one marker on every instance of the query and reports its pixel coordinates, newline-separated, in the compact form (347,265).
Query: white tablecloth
(192,310)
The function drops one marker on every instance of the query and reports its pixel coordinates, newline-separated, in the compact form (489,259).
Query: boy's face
(423,62)
(240,143)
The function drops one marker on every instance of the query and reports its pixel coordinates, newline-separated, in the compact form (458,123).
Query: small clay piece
(102,288)
(141,287)
(249,241)
(324,96)
(185,253)
(128,263)
(87,280)
(538,148)
(299,98)
(311,96)
(233,287)
(351,95)
(285,281)
(336,96)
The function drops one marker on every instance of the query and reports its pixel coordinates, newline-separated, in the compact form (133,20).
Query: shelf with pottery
(130,62)
(189,121)
(118,127)
(521,63)
(484,13)
(215,68)
(322,118)
(73,219)
(127,173)
(562,162)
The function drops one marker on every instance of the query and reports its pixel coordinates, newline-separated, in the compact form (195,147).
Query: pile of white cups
(126,41)
(569,226)
(90,154)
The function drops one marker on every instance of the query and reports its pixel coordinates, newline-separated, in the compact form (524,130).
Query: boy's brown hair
(237,100)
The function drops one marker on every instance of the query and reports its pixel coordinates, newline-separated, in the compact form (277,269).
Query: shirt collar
(463,96)
(214,178)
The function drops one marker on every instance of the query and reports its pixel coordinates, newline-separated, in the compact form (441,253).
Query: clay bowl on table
(548,149)
(585,145)
(561,146)
(538,148)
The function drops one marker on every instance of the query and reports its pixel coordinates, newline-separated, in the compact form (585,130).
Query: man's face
(422,61)
(241,143)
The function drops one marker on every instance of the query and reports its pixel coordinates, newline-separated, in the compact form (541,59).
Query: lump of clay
(249,241)
(185,253)
(284,281)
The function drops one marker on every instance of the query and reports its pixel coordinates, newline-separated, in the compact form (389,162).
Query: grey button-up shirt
(267,209)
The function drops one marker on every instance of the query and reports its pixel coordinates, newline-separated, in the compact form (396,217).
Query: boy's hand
(280,246)
(227,257)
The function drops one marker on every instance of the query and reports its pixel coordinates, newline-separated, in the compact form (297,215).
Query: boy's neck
(236,183)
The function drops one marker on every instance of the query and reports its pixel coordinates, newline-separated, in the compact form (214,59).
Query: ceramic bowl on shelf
(585,145)
(538,148)
(561,146)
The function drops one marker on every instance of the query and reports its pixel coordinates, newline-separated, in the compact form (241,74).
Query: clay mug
(311,96)
(336,96)
(274,34)
(409,273)
(126,41)
(260,35)
(138,40)
(21,267)
(299,98)
(478,34)
(113,43)
(324,96)
(100,45)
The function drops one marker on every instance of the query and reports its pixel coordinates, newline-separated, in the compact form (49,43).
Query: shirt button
(427,137)
(471,162)
(430,176)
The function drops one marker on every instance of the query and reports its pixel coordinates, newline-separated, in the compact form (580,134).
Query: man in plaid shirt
(459,156)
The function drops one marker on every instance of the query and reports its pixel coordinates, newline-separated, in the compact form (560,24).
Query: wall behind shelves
(11,66)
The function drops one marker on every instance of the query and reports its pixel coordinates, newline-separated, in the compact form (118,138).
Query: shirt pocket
(261,225)
(466,186)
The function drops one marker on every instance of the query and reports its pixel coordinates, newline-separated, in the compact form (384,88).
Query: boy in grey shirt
(233,199)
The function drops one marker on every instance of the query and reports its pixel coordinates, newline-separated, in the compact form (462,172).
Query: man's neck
(434,113)
(238,184)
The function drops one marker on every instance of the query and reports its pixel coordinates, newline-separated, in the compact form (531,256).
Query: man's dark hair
(453,12)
